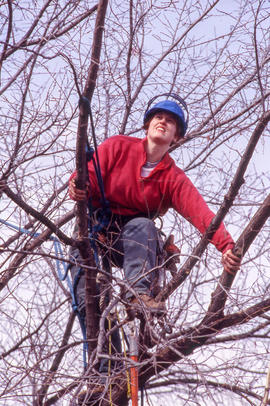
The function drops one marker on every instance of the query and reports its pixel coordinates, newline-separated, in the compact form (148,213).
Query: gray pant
(136,252)
(134,249)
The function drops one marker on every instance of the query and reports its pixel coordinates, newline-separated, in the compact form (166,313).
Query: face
(163,128)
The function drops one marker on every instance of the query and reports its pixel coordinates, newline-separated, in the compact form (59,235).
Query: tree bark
(82,173)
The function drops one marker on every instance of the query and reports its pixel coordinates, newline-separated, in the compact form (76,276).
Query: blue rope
(73,291)
(105,212)
(21,230)
(62,271)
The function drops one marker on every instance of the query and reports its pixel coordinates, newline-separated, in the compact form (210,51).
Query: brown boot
(148,303)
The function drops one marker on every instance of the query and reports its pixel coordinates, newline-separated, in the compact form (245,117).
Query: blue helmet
(170,107)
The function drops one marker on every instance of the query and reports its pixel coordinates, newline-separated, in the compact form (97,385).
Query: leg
(137,252)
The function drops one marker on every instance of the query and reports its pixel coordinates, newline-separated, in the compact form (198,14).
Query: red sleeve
(191,205)
(104,155)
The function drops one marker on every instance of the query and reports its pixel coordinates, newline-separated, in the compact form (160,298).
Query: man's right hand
(75,193)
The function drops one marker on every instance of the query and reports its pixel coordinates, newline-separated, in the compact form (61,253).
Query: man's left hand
(231,262)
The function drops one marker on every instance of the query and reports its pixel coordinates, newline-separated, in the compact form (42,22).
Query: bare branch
(38,216)
(81,167)
(41,393)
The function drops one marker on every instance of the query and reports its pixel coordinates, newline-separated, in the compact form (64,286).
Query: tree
(214,54)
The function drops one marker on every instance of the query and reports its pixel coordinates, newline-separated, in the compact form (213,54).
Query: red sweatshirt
(121,159)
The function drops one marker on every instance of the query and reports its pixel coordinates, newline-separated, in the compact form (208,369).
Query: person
(141,182)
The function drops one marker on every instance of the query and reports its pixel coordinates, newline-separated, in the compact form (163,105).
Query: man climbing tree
(141,182)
